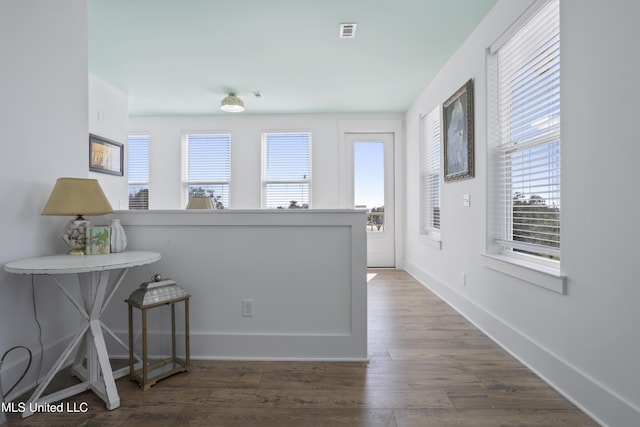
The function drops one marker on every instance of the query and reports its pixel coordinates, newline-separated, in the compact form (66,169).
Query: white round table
(93,275)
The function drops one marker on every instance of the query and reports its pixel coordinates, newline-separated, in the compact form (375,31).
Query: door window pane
(368,182)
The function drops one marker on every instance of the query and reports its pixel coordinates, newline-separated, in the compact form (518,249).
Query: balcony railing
(375,222)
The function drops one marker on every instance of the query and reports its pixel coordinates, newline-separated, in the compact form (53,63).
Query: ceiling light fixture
(232,104)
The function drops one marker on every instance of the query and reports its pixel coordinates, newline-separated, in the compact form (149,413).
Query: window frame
(430,171)
(501,244)
(141,184)
(186,182)
(265,159)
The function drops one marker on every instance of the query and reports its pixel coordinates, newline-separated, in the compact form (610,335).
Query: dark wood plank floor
(428,367)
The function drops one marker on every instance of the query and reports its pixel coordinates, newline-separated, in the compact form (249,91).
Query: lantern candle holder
(150,295)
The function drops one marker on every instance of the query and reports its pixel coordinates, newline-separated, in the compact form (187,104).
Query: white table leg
(106,382)
(35,399)
(98,375)
(98,364)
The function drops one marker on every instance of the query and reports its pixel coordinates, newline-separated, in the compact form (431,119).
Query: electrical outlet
(247,308)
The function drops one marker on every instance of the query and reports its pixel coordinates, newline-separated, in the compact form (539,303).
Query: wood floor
(428,367)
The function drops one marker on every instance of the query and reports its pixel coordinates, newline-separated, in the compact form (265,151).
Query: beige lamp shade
(77,196)
(200,203)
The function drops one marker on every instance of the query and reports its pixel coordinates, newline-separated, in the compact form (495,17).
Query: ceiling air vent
(347,31)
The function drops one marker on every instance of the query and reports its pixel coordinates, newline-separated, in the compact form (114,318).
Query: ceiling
(181,57)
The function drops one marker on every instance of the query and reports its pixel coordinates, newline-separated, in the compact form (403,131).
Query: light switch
(466,200)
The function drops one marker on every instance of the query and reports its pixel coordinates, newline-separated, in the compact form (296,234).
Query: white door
(370,187)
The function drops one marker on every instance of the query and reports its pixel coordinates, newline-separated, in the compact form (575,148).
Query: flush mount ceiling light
(232,104)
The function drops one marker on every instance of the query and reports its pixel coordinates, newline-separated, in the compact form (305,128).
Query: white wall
(305,271)
(585,342)
(109,118)
(43,134)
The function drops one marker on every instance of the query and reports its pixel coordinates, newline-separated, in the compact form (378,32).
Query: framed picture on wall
(457,115)
(106,156)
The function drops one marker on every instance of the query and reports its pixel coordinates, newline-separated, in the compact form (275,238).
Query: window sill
(431,241)
(538,275)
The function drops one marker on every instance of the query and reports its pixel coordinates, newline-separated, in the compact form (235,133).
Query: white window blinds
(208,166)
(287,170)
(430,171)
(526,70)
(138,171)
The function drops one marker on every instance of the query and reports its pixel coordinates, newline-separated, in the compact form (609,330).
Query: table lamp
(200,202)
(77,196)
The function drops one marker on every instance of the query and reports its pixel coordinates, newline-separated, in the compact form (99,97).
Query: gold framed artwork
(106,156)
(457,114)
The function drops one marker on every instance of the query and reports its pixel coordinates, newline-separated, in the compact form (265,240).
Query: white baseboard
(289,347)
(601,404)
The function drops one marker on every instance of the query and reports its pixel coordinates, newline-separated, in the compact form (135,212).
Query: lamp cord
(25,371)
(35,316)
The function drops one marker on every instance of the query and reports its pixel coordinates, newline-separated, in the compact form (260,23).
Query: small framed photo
(457,114)
(98,240)
(106,156)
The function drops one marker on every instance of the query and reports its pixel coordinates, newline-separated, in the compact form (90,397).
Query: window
(287,170)
(430,174)
(138,171)
(524,88)
(208,167)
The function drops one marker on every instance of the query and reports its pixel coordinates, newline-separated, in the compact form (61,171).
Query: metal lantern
(157,293)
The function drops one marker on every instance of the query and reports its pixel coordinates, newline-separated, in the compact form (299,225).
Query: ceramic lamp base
(75,236)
